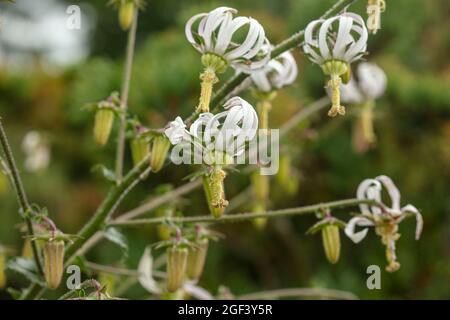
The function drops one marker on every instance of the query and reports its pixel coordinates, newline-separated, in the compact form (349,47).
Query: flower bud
(196,259)
(160,148)
(104,118)
(176,267)
(126,13)
(53,262)
(331,243)
(27,251)
(140,149)
(2,268)
(3,182)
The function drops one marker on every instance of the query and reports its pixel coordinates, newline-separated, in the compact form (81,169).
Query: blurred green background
(38,92)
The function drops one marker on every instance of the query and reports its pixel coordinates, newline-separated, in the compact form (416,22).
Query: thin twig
(238,217)
(124,96)
(299,292)
(21,194)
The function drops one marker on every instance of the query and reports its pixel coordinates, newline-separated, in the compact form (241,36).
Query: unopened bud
(331,243)
(126,13)
(160,149)
(2,269)
(140,149)
(104,118)
(176,267)
(27,251)
(196,259)
(53,262)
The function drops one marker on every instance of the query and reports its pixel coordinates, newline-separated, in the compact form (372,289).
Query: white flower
(215,32)
(369,84)
(343,38)
(223,134)
(371,189)
(176,131)
(278,73)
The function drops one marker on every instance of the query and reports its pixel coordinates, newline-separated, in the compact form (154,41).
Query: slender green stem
(320,293)
(124,96)
(21,194)
(238,217)
(284,46)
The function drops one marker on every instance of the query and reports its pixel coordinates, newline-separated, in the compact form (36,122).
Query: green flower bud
(160,149)
(176,267)
(27,251)
(331,243)
(126,14)
(196,259)
(104,118)
(53,262)
(2,268)
(140,149)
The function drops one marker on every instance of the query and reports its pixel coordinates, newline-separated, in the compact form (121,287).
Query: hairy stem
(299,292)
(21,194)
(238,217)
(124,96)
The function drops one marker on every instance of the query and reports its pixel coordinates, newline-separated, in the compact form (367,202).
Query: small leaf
(15,294)
(115,236)
(27,268)
(105,172)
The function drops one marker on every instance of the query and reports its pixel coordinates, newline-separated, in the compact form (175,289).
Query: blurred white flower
(218,137)
(369,84)
(333,44)
(384,218)
(37,152)
(214,34)
(278,73)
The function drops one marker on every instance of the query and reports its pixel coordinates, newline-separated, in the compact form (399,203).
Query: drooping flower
(334,44)
(374,10)
(368,85)
(213,33)
(384,218)
(215,140)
